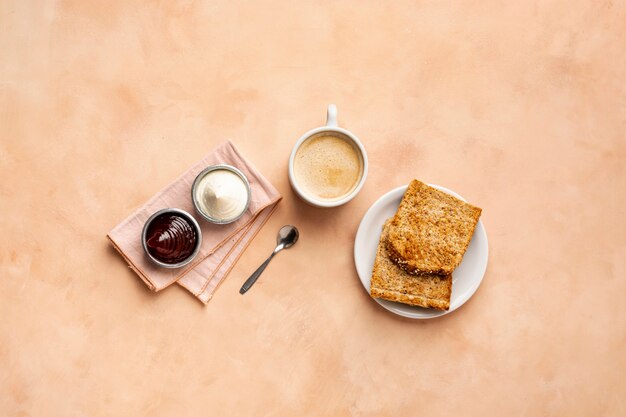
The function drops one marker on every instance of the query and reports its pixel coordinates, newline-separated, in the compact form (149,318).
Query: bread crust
(411,299)
(431,230)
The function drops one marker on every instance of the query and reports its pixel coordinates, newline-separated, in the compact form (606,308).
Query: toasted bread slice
(431,230)
(392,283)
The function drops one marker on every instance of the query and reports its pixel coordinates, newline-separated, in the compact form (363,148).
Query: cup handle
(331,116)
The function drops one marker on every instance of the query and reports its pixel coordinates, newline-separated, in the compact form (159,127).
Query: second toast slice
(392,283)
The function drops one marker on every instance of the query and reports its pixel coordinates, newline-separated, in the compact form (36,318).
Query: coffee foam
(328,166)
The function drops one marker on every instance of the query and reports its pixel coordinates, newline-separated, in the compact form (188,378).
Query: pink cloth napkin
(221,244)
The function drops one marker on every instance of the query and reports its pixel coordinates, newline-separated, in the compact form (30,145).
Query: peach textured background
(520,107)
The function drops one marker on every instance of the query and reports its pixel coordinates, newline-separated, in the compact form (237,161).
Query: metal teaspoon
(286,238)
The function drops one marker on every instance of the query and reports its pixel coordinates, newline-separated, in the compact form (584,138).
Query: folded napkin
(221,244)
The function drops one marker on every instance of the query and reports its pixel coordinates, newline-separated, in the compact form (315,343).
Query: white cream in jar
(221,195)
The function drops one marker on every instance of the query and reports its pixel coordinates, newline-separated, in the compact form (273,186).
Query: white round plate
(465,279)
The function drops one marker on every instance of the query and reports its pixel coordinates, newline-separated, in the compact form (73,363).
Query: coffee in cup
(328,165)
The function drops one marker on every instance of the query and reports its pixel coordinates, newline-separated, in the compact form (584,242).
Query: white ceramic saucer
(465,279)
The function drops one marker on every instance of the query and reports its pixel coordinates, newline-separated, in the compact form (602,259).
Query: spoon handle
(255,275)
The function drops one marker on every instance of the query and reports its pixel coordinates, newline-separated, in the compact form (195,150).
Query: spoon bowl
(287,236)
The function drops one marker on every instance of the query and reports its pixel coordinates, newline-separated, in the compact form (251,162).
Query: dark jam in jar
(170,238)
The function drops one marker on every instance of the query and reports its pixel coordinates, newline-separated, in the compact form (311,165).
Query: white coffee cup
(330,128)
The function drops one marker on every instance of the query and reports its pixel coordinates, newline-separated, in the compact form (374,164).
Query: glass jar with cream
(221,194)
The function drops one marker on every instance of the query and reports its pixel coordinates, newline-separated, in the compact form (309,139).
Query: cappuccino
(328,166)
